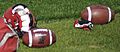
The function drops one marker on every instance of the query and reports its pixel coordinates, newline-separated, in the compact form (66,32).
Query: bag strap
(10,35)
(14,34)
(7,35)
(9,26)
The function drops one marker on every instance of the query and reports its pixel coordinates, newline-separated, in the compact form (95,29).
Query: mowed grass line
(103,38)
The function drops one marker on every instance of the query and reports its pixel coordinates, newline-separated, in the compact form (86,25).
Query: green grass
(59,15)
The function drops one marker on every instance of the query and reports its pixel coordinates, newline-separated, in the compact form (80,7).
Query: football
(98,14)
(39,38)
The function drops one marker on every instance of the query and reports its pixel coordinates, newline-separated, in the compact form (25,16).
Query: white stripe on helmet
(21,7)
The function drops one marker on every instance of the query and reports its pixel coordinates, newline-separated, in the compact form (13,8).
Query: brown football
(39,38)
(98,14)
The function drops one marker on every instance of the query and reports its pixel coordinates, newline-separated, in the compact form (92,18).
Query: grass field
(59,15)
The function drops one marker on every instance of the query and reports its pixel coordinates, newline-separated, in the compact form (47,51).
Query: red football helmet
(83,24)
(20,17)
